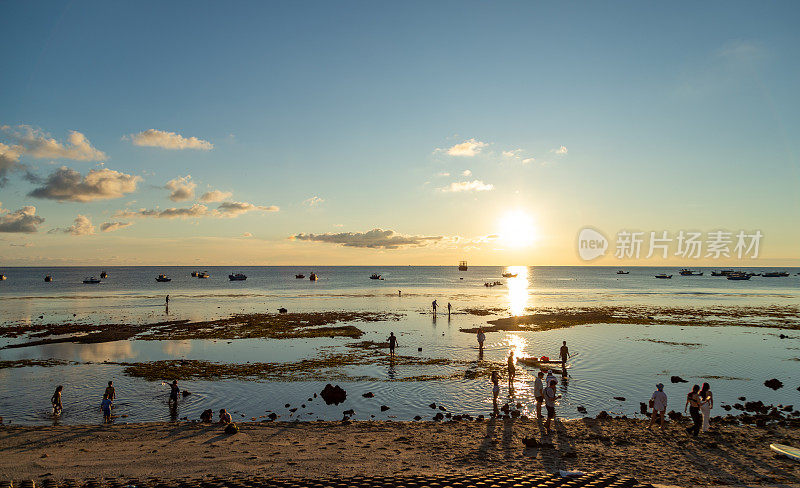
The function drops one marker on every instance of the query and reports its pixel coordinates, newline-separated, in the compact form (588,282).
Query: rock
(282,310)
(673,415)
(775,384)
(186,393)
(569,455)
(757,407)
(419,349)
(515,414)
(303,406)
(621,399)
(742,399)
(788,408)
(368,394)
(350,412)
(433,406)
(727,408)
(738,406)
(783,336)
(643,408)
(287,405)
(480,417)
(417,418)
(293,409)
(442,408)
(384,408)
(677,379)
(448,415)
(603,415)
(438,416)
(530,443)
(231,429)
(272,416)
(346,421)
(333,395)
(44,455)
(581,409)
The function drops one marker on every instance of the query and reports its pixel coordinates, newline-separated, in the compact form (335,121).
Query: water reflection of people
(495,391)
(391,372)
(173,411)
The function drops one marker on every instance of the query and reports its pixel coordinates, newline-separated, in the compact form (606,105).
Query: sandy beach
(731,455)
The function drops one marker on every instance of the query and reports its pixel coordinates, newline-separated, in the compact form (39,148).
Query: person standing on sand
(658,402)
(449,307)
(433,305)
(512,370)
(110,391)
(495,390)
(706,404)
(538,393)
(56,400)
(392,343)
(693,401)
(550,398)
(481,338)
(166,301)
(399,293)
(173,392)
(564,353)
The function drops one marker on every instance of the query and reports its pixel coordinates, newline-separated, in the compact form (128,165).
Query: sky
(302,133)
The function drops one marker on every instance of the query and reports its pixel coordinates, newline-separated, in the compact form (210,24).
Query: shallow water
(609,360)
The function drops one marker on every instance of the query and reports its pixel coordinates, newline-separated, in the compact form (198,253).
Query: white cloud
(113,226)
(9,160)
(313,201)
(82,226)
(443,174)
(561,150)
(23,220)
(169,140)
(66,184)
(528,160)
(225,209)
(247,234)
(466,172)
(474,185)
(468,148)
(37,144)
(513,153)
(215,196)
(181,188)
(233,209)
(373,239)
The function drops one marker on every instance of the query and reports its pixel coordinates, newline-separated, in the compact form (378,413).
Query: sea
(608,360)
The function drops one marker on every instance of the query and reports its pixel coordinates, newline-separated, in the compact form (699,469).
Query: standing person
(56,400)
(658,402)
(550,377)
(166,301)
(512,370)
(693,403)
(433,305)
(449,307)
(111,391)
(481,338)
(399,293)
(392,343)
(173,392)
(538,393)
(550,398)
(564,353)
(495,390)
(105,406)
(706,404)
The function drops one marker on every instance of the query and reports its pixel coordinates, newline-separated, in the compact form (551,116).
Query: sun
(517,229)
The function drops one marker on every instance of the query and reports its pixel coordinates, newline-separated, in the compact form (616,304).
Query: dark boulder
(368,394)
(774,383)
(581,409)
(272,416)
(621,399)
(433,406)
(742,399)
(643,408)
(673,415)
(677,379)
(530,443)
(384,408)
(603,415)
(349,413)
(333,395)
(231,429)
(417,418)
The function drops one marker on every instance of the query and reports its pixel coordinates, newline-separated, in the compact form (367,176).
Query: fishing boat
(663,276)
(509,275)
(3,277)
(774,274)
(237,277)
(737,276)
(299,276)
(312,277)
(162,278)
(91,281)
(194,274)
(623,272)
(462,265)
(48,278)
(543,362)
(375,276)
(203,275)
(689,272)
(103,275)
(724,272)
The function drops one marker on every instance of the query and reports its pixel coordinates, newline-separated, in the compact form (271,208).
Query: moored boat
(543,363)
(312,277)
(623,272)
(462,265)
(48,278)
(203,275)
(724,272)
(509,275)
(3,277)
(194,274)
(299,276)
(91,280)
(375,276)
(663,276)
(738,276)
(162,278)
(689,272)
(237,277)
(774,274)
(103,275)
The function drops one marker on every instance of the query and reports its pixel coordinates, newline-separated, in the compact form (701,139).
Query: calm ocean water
(609,360)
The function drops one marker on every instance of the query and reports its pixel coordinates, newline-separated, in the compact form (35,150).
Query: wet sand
(732,455)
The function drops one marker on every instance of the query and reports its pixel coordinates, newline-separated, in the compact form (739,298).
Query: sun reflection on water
(517,289)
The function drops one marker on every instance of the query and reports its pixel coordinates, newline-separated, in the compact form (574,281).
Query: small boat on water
(103,275)
(542,363)
(689,272)
(724,272)
(774,274)
(237,277)
(495,283)
(738,276)
(623,272)
(203,275)
(162,278)
(3,277)
(299,276)
(312,277)
(91,281)
(509,275)
(194,274)
(375,276)
(462,265)
(663,276)
(48,279)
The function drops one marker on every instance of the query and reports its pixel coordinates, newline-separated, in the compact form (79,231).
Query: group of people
(699,402)
(435,306)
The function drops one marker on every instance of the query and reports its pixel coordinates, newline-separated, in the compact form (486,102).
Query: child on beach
(481,338)
(538,393)
(658,402)
(224,417)
(110,391)
(105,406)
(173,392)
(495,390)
(56,400)
(550,398)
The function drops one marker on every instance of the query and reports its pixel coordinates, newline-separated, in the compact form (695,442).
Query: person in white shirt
(550,377)
(538,393)
(481,338)
(658,402)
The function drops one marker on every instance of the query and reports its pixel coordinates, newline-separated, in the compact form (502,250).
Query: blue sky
(671,116)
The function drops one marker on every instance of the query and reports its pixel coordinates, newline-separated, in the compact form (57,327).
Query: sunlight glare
(517,229)
(517,289)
